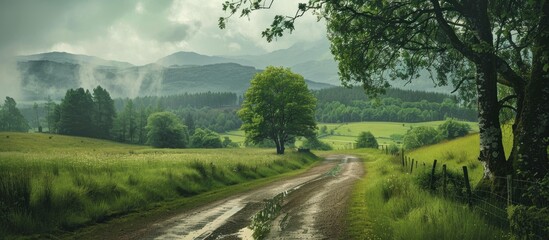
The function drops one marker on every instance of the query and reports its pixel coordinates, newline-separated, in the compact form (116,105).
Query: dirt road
(313,207)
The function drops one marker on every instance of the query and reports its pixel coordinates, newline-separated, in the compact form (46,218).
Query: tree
(37,117)
(474,44)
(366,140)
(277,106)
(49,106)
(165,130)
(76,112)
(11,118)
(125,123)
(451,129)
(420,136)
(143,114)
(103,112)
(205,138)
(189,121)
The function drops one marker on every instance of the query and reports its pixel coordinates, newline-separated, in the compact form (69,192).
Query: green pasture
(54,183)
(236,136)
(346,133)
(459,152)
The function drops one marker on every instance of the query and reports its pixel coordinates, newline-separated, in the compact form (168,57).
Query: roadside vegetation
(390,203)
(52,183)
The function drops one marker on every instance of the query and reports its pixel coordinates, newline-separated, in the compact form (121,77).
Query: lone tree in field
(366,140)
(477,45)
(166,131)
(278,106)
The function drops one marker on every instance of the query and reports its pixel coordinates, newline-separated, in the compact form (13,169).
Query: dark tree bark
(491,148)
(532,131)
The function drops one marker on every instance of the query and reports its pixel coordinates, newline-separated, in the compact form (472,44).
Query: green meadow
(458,153)
(52,183)
(345,134)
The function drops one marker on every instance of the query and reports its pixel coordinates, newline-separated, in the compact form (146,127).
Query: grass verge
(56,184)
(389,204)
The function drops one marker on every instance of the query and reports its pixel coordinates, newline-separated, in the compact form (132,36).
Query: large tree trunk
(491,148)
(532,133)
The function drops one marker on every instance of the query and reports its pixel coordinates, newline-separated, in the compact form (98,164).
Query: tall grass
(460,152)
(63,183)
(388,203)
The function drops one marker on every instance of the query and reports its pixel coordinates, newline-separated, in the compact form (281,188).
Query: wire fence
(492,204)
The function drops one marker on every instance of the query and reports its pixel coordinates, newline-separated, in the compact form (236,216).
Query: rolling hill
(51,74)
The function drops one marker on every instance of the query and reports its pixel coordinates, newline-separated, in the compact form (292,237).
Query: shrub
(366,140)
(205,138)
(420,136)
(315,144)
(393,149)
(228,143)
(451,129)
(166,131)
(529,222)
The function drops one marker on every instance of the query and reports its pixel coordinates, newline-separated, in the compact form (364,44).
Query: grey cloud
(26,24)
(174,33)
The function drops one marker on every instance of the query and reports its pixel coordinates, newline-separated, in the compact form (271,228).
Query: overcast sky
(140,32)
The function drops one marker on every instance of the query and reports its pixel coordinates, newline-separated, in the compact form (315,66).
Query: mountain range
(51,74)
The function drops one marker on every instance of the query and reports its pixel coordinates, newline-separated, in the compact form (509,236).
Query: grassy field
(60,183)
(459,152)
(236,136)
(388,203)
(345,134)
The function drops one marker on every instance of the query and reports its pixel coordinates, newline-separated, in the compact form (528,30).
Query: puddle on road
(246,234)
(202,224)
(262,221)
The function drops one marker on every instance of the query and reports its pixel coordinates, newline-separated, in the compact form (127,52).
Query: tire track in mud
(313,207)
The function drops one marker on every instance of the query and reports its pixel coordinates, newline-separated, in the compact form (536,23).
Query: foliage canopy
(477,45)
(366,140)
(166,131)
(278,106)
(11,118)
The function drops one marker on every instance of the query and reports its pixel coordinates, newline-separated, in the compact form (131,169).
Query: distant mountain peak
(65,57)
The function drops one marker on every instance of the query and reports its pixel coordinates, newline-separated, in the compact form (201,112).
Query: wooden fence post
(444,180)
(412,166)
(433,175)
(387,149)
(467,186)
(509,190)
(402,156)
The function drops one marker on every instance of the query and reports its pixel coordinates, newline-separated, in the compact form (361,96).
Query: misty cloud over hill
(51,74)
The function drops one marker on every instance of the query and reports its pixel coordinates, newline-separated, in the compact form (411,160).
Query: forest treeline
(96,114)
(186,100)
(340,104)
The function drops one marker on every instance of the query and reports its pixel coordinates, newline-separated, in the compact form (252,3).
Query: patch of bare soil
(317,209)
